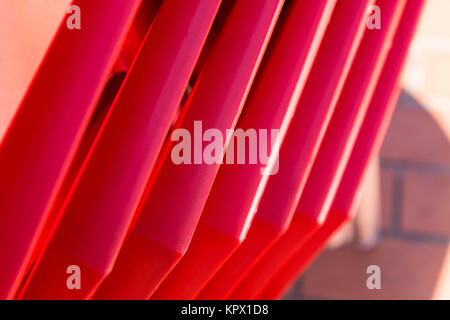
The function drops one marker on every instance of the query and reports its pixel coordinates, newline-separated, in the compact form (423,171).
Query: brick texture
(387,189)
(426,203)
(416,135)
(409,270)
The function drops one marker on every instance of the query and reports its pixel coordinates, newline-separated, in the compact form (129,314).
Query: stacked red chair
(200,149)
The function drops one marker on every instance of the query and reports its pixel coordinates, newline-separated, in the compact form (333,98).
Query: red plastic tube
(308,124)
(335,149)
(169,212)
(271,104)
(365,150)
(101,204)
(46,130)
(86,142)
(133,40)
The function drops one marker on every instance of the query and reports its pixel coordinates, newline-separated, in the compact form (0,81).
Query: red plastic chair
(334,151)
(104,197)
(41,140)
(366,149)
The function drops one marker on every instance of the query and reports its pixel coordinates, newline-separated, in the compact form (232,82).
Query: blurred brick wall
(414,252)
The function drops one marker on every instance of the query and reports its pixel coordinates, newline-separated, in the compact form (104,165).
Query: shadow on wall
(413,253)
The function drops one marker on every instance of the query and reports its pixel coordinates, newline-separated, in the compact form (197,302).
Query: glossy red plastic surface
(307,130)
(365,150)
(177,192)
(32,162)
(334,151)
(106,164)
(104,197)
(224,223)
(235,218)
